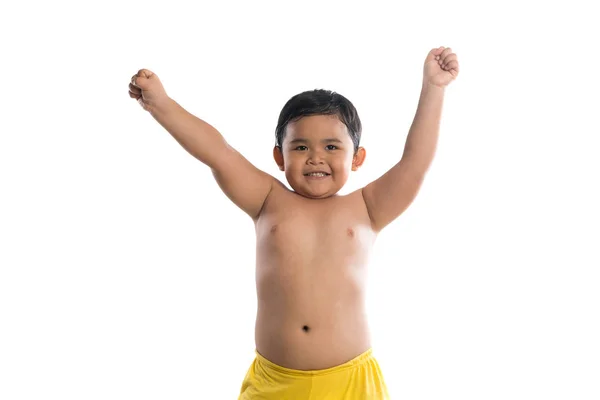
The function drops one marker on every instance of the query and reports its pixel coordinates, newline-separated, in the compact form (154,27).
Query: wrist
(431,86)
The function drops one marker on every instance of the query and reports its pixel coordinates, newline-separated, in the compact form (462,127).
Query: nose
(315,157)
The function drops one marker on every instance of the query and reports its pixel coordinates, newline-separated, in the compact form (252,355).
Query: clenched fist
(147,89)
(441,67)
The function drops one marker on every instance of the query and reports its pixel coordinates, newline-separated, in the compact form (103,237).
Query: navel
(273,228)
(350,232)
(305,328)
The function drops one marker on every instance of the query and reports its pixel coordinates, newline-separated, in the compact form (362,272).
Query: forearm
(198,137)
(422,138)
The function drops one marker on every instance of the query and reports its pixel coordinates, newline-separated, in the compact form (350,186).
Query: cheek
(344,162)
(294,163)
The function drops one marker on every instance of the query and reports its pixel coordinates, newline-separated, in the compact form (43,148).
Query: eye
(299,147)
(331,145)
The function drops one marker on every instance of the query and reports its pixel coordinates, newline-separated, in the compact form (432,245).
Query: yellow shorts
(359,378)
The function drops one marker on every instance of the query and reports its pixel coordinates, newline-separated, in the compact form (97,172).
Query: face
(317,143)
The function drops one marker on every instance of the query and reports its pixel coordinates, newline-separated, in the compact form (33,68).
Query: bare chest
(298,230)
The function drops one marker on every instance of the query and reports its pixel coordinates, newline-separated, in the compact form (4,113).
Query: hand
(147,89)
(441,67)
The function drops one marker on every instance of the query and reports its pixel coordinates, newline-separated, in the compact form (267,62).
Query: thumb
(143,79)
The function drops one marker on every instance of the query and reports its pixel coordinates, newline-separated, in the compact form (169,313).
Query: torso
(311,270)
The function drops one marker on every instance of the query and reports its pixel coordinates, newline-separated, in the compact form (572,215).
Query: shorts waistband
(356,361)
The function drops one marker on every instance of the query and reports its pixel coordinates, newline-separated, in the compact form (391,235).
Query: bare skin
(312,253)
(313,245)
(311,274)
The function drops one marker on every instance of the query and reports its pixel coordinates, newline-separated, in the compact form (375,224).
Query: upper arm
(388,196)
(244,184)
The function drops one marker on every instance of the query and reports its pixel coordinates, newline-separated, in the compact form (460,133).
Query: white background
(125,273)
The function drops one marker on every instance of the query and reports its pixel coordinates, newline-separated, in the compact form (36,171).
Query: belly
(311,315)
(311,268)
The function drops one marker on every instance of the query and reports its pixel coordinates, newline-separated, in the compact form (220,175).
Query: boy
(312,338)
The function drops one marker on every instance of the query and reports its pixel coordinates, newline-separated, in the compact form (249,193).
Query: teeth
(317,174)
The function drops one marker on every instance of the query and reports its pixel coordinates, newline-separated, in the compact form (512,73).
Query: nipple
(305,328)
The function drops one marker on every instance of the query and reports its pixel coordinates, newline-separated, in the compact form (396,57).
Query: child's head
(318,130)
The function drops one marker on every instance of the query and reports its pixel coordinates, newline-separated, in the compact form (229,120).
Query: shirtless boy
(313,246)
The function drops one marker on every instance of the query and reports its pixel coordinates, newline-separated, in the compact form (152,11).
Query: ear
(278,156)
(359,158)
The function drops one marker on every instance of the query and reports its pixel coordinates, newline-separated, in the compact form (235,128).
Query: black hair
(319,102)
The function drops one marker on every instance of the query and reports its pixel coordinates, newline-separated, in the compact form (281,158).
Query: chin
(323,196)
(316,192)
(315,195)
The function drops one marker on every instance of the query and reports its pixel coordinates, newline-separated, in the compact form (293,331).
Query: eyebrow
(330,140)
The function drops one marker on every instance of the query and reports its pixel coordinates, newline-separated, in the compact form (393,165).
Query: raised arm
(246,185)
(391,194)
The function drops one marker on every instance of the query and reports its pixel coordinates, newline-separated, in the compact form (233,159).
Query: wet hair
(319,102)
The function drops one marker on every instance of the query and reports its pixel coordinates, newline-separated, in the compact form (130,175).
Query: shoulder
(279,193)
(353,205)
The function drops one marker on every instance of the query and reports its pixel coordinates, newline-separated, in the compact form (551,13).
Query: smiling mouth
(317,174)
